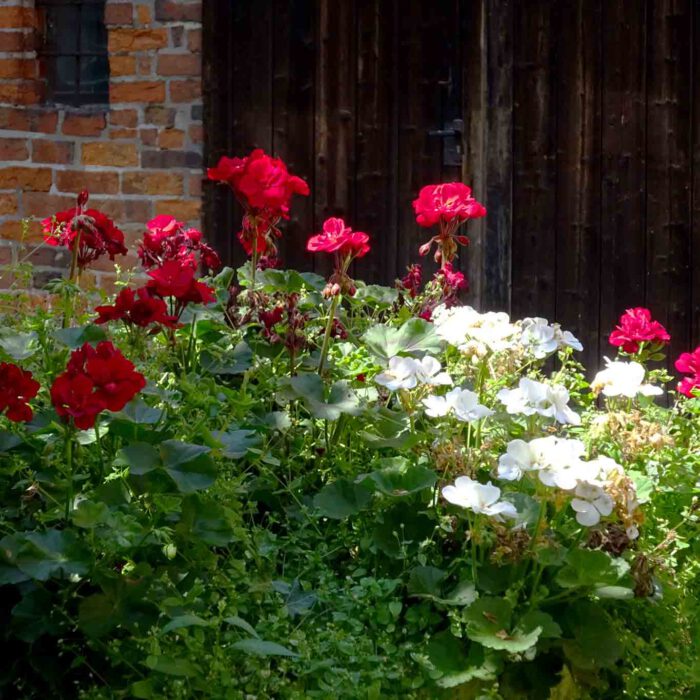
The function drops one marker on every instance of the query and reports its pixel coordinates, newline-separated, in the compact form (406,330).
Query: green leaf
(400,478)
(236,361)
(591,642)
(489,623)
(538,618)
(19,346)
(644,486)
(140,457)
(239,622)
(402,529)
(8,441)
(342,499)
(98,615)
(587,567)
(175,453)
(195,475)
(391,429)
(171,666)
(457,665)
(310,387)
(182,621)
(235,443)
(143,690)
(425,581)
(375,294)
(77,336)
(416,335)
(260,647)
(139,412)
(88,514)
(206,520)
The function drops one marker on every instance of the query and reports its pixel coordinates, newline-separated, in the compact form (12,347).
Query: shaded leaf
(341,499)
(260,647)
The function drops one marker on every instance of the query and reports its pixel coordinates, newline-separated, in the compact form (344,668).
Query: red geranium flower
(636,326)
(689,363)
(451,281)
(94,233)
(138,308)
(178,281)
(339,238)
(95,379)
(412,280)
(17,388)
(447,205)
(169,239)
(264,187)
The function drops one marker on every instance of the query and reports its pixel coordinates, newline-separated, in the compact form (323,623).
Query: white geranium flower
(550,455)
(558,461)
(591,503)
(623,379)
(480,498)
(542,338)
(466,328)
(428,372)
(569,339)
(464,404)
(407,373)
(532,397)
(517,460)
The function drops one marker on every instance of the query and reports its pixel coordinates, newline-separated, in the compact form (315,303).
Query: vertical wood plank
(622,255)
(578,173)
(534,153)
(695,186)
(498,197)
(293,118)
(336,72)
(376,136)
(669,24)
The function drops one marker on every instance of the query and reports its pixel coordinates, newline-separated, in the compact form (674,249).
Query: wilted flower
(480,498)
(530,397)
(623,379)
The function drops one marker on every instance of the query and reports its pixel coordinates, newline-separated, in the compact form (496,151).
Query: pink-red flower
(447,205)
(137,308)
(167,239)
(689,363)
(337,237)
(264,187)
(93,232)
(17,389)
(451,282)
(96,379)
(635,327)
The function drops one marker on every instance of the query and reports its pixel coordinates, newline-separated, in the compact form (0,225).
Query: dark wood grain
(694,292)
(579,69)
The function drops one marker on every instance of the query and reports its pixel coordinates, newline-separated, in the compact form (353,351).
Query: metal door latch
(451,136)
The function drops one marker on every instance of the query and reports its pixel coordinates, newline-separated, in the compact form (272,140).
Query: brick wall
(139,156)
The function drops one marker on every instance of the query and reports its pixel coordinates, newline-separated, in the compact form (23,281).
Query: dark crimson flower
(138,308)
(451,281)
(448,205)
(411,282)
(264,187)
(178,281)
(339,238)
(270,319)
(95,379)
(689,363)
(169,239)
(17,389)
(636,326)
(92,231)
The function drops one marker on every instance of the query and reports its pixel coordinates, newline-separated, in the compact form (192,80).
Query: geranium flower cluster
(447,206)
(87,233)
(137,308)
(96,379)
(264,187)
(168,239)
(17,389)
(636,328)
(689,363)
(408,373)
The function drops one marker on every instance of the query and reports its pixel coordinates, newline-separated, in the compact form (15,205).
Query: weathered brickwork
(139,156)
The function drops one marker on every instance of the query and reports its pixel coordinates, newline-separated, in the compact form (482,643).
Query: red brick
(185,90)
(124,117)
(194,40)
(21,93)
(28,120)
(16,41)
(158,182)
(42,205)
(143,15)
(120,66)
(106,153)
(179,64)
(17,17)
(96,182)
(122,133)
(137,91)
(21,230)
(178,11)
(17,68)
(162,116)
(185,210)
(124,209)
(8,204)
(195,185)
(84,124)
(145,65)
(13,149)
(171,139)
(44,151)
(176,35)
(137,39)
(17,178)
(5,256)
(196,132)
(148,136)
(119,13)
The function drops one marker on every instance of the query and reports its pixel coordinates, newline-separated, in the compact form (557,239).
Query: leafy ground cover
(267,484)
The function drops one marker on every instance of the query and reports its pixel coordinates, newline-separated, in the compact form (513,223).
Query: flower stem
(99,450)
(73,278)
(69,463)
(327,336)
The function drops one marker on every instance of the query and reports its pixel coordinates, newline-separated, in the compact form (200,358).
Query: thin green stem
(327,336)
(69,464)
(99,450)
(73,278)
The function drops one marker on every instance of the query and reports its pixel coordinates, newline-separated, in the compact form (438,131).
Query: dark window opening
(74,51)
